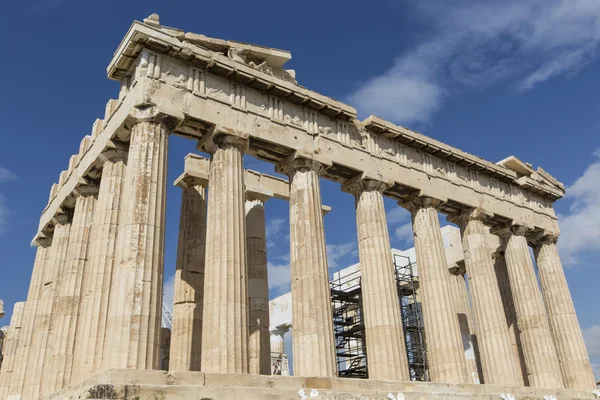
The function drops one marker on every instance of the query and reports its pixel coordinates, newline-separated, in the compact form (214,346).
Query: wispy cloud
(342,255)
(6,175)
(580,226)
(476,44)
(400,225)
(279,278)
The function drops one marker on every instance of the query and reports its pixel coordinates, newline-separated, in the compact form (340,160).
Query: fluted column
(572,354)
(186,329)
(445,355)
(36,382)
(96,284)
(277,341)
(384,333)
(9,348)
(259,342)
(312,336)
(493,341)
(225,319)
(539,350)
(462,308)
(510,314)
(23,361)
(133,332)
(66,311)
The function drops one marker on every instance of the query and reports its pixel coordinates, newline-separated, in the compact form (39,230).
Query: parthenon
(90,326)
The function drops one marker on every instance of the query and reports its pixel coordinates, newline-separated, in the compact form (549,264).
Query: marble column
(572,354)
(186,329)
(259,342)
(135,309)
(277,340)
(37,382)
(9,348)
(445,354)
(312,336)
(493,341)
(225,319)
(462,308)
(539,351)
(384,333)
(66,311)
(510,314)
(96,284)
(23,354)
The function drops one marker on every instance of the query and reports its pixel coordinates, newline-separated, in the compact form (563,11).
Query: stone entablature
(165,76)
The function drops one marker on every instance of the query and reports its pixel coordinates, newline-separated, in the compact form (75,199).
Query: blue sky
(496,78)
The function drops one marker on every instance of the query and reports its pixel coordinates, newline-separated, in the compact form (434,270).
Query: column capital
(186,180)
(147,112)
(295,163)
(220,138)
(361,183)
(86,188)
(462,217)
(415,202)
(63,218)
(257,197)
(115,151)
(512,229)
(538,238)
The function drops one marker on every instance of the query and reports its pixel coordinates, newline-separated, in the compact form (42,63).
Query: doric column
(462,308)
(259,343)
(9,348)
(539,350)
(66,311)
(445,354)
(384,333)
(97,279)
(312,336)
(225,324)
(133,332)
(37,384)
(277,342)
(510,313)
(23,362)
(186,329)
(493,341)
(572,354)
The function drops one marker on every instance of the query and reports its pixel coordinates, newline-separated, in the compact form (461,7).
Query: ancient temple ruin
(90,325)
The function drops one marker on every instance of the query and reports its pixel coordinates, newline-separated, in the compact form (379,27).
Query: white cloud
(397,215)
(275,225)
(404,233)
(580,226)
(279,278)
(342,255)
(6,175)
(591,335)
(476,44)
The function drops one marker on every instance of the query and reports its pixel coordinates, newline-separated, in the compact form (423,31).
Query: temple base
(145,384)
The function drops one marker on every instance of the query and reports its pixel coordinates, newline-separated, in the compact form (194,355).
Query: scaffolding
(410,308)
(349,328)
